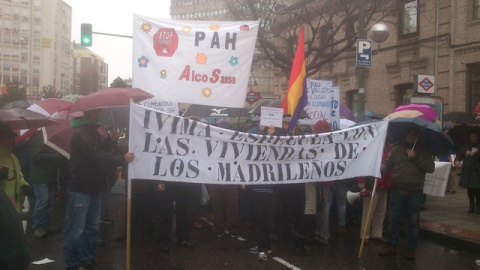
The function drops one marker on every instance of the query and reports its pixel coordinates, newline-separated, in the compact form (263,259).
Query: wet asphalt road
(226,253)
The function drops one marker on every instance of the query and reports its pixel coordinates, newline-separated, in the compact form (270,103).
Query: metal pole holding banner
(129,200)
(367,220)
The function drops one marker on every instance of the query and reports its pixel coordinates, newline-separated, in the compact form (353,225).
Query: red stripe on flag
(296,94)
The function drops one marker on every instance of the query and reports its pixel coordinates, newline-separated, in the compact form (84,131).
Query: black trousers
(261,204)
(178,193)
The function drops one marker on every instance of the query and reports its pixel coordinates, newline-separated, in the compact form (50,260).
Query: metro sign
(425,84)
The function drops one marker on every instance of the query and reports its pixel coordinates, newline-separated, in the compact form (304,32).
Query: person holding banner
(224,200)
(91,160)
(470,177)
(373,228)
(170,193)
(409,164)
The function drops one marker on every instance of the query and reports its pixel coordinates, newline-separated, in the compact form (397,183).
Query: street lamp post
(378,33)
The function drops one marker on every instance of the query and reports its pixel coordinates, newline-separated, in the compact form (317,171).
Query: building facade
(439,38)
(90,72)
(35,47)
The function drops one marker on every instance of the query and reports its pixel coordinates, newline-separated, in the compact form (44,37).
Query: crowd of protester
(302,212)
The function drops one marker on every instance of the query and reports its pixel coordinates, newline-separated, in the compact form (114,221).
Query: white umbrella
(346,123)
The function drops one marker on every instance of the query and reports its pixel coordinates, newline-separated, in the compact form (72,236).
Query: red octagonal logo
(165,42)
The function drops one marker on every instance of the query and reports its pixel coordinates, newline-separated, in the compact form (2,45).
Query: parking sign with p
(364,53)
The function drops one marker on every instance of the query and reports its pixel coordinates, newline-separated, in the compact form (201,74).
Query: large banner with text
(197,62)
(173,148)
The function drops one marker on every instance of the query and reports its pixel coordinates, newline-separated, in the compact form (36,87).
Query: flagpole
(367,220)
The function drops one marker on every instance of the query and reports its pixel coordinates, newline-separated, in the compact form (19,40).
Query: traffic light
(86,34)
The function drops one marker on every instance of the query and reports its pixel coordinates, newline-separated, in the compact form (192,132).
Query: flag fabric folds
(296,98)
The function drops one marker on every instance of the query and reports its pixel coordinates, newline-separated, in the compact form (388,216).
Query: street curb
(451,234)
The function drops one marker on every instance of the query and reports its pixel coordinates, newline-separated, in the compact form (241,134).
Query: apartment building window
(408,19)
(36,81)
(403,93)
(473,93)
(476,9)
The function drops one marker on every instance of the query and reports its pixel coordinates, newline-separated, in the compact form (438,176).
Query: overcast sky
(115,17)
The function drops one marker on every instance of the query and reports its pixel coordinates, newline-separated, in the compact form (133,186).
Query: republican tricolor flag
(296,98)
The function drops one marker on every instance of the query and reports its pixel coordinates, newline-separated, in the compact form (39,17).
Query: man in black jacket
(91,159)
(409,164)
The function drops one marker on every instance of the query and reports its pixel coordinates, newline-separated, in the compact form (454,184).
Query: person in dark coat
(470,177)
(44,168)
(14,254)
(91,160)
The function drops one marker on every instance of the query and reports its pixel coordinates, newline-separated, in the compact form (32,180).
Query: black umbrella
(273,103)
(432,137)
(203,111)
(460,135)
(458,118)
(18,104)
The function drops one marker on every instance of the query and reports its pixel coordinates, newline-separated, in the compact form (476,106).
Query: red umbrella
(50,106)
(45,107)
(19,118)
(429,113)
(109,98)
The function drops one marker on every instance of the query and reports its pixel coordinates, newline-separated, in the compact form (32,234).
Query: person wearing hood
(11,180)
(409,164)
(91,160)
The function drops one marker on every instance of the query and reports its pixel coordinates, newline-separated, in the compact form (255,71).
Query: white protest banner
(271,117)
(323,103)
(169,107)
(173,148)
(197,62)
(436,182)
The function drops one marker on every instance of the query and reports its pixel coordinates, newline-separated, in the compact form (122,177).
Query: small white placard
(271,116)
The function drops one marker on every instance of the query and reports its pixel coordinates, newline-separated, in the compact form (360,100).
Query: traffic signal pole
(112,35)
(86,34)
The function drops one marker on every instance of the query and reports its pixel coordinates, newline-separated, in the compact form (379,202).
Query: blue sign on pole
(364,53)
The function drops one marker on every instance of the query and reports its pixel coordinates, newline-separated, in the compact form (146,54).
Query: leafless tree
(331,27)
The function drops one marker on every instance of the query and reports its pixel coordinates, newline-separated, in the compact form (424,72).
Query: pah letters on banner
(173,148)
(196,62)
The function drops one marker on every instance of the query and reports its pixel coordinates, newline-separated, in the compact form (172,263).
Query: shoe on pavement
(40,232)
(410,254)
(106,221)
(477,262)
(186,244)
(387,250)
(262,256)
(379,239)
(92,266)
(253,250)
(303,251)
(321,240)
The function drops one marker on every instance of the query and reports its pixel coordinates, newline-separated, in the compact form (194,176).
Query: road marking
(287,264)
(26,208)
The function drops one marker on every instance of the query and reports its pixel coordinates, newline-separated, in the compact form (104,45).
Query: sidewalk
(448,217)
